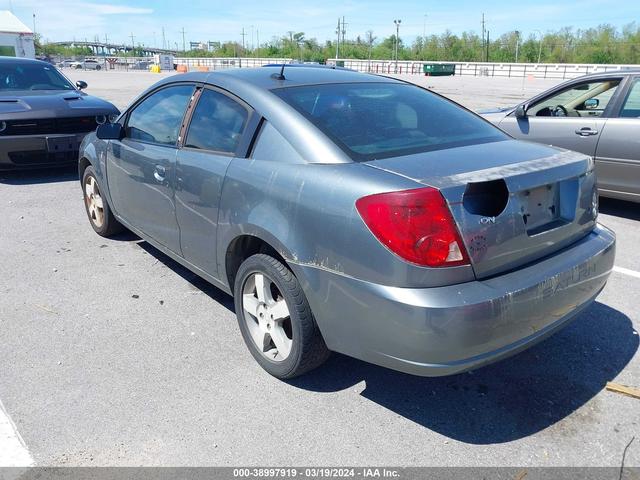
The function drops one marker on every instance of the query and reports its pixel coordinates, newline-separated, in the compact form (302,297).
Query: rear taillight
(416,225)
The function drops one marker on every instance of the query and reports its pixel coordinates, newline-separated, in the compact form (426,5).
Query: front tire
(275,318)
(100,215)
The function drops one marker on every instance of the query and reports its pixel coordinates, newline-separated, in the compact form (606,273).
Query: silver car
(353,213)
(598,115)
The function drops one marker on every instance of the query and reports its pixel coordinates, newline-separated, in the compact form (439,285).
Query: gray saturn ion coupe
(43,116)
(353,213)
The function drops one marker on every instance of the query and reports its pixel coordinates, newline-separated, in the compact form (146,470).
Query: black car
(43,116)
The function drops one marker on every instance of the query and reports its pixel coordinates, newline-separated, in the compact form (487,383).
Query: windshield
(380,120)
(31,76)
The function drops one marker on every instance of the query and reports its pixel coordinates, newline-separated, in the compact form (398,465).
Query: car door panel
(141,167)
(141,178)
(559,132)
(200,176)
(217,133)
(618,157)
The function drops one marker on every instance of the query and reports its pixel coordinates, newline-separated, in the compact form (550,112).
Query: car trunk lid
(513,202)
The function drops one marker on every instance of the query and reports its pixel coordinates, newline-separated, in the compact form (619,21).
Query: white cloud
(106,9)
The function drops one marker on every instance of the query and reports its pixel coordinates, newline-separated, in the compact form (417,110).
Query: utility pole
(344,30)
(370,40)
(338,38)
(397,24)
(164,40)
(243,35)
(517,44)
(487,47)
(133,45)
(424,35)
(484,33)
(34,24)
(184,46)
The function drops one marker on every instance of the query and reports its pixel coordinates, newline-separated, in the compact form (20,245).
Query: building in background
(16,39)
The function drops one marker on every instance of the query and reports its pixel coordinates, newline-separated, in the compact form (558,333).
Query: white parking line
(13,451)
(626,271)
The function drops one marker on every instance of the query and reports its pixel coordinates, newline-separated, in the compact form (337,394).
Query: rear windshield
(31,76)
(379,120)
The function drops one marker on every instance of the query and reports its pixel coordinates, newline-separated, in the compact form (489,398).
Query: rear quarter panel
(307,212)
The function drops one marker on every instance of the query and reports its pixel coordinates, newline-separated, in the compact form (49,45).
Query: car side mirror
(110,131)
(591,104)
(521,111)
(81,84)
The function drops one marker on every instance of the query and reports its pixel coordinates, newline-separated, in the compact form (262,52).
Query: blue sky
(216,20)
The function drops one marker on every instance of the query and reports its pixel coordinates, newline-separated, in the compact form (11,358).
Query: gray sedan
(353,213)
(598,115)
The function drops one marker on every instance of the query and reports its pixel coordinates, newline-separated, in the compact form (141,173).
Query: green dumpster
(439,69)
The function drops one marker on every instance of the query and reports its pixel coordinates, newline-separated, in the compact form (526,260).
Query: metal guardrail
(480,69)
(385,67)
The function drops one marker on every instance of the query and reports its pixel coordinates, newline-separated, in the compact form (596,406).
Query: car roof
(265,78)
(21,60)
(621,71)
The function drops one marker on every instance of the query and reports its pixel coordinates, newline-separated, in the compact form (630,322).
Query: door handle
(586,132)
(159,173)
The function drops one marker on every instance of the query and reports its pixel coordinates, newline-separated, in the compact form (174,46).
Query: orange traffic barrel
(182,69)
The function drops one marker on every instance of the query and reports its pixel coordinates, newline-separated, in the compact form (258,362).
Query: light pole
(397,24)
(517,43)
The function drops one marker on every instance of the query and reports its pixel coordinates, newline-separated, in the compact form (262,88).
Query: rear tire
(100,215)
(275,318)
(98,67)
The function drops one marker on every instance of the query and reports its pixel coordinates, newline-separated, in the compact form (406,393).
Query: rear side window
(217,123)
(380,120)
(158,118)
(631,108)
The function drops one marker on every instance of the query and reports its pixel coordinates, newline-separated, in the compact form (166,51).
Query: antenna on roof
(279,76)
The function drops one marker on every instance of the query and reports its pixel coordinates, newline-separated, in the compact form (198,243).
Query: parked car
(65,64)
(141,65)
(353,213)
(43,116)
(86,65)
(598,115)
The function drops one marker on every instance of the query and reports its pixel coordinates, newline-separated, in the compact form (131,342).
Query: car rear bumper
(31,151)
(446,330)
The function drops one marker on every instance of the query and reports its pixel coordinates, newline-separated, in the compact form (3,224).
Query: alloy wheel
(267,316)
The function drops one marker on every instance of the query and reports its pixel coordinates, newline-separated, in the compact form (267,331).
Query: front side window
(32,76)
(217,123)
(631,107)
(582,100)
(380,120)
(158,118)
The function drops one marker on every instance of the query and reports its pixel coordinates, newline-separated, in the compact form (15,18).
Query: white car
(86,65)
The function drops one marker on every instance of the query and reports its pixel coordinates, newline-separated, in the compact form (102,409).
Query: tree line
(604,44)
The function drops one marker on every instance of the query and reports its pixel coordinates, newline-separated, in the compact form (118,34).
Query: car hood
(35,104)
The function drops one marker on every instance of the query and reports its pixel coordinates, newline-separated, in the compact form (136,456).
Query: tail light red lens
(416,225)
